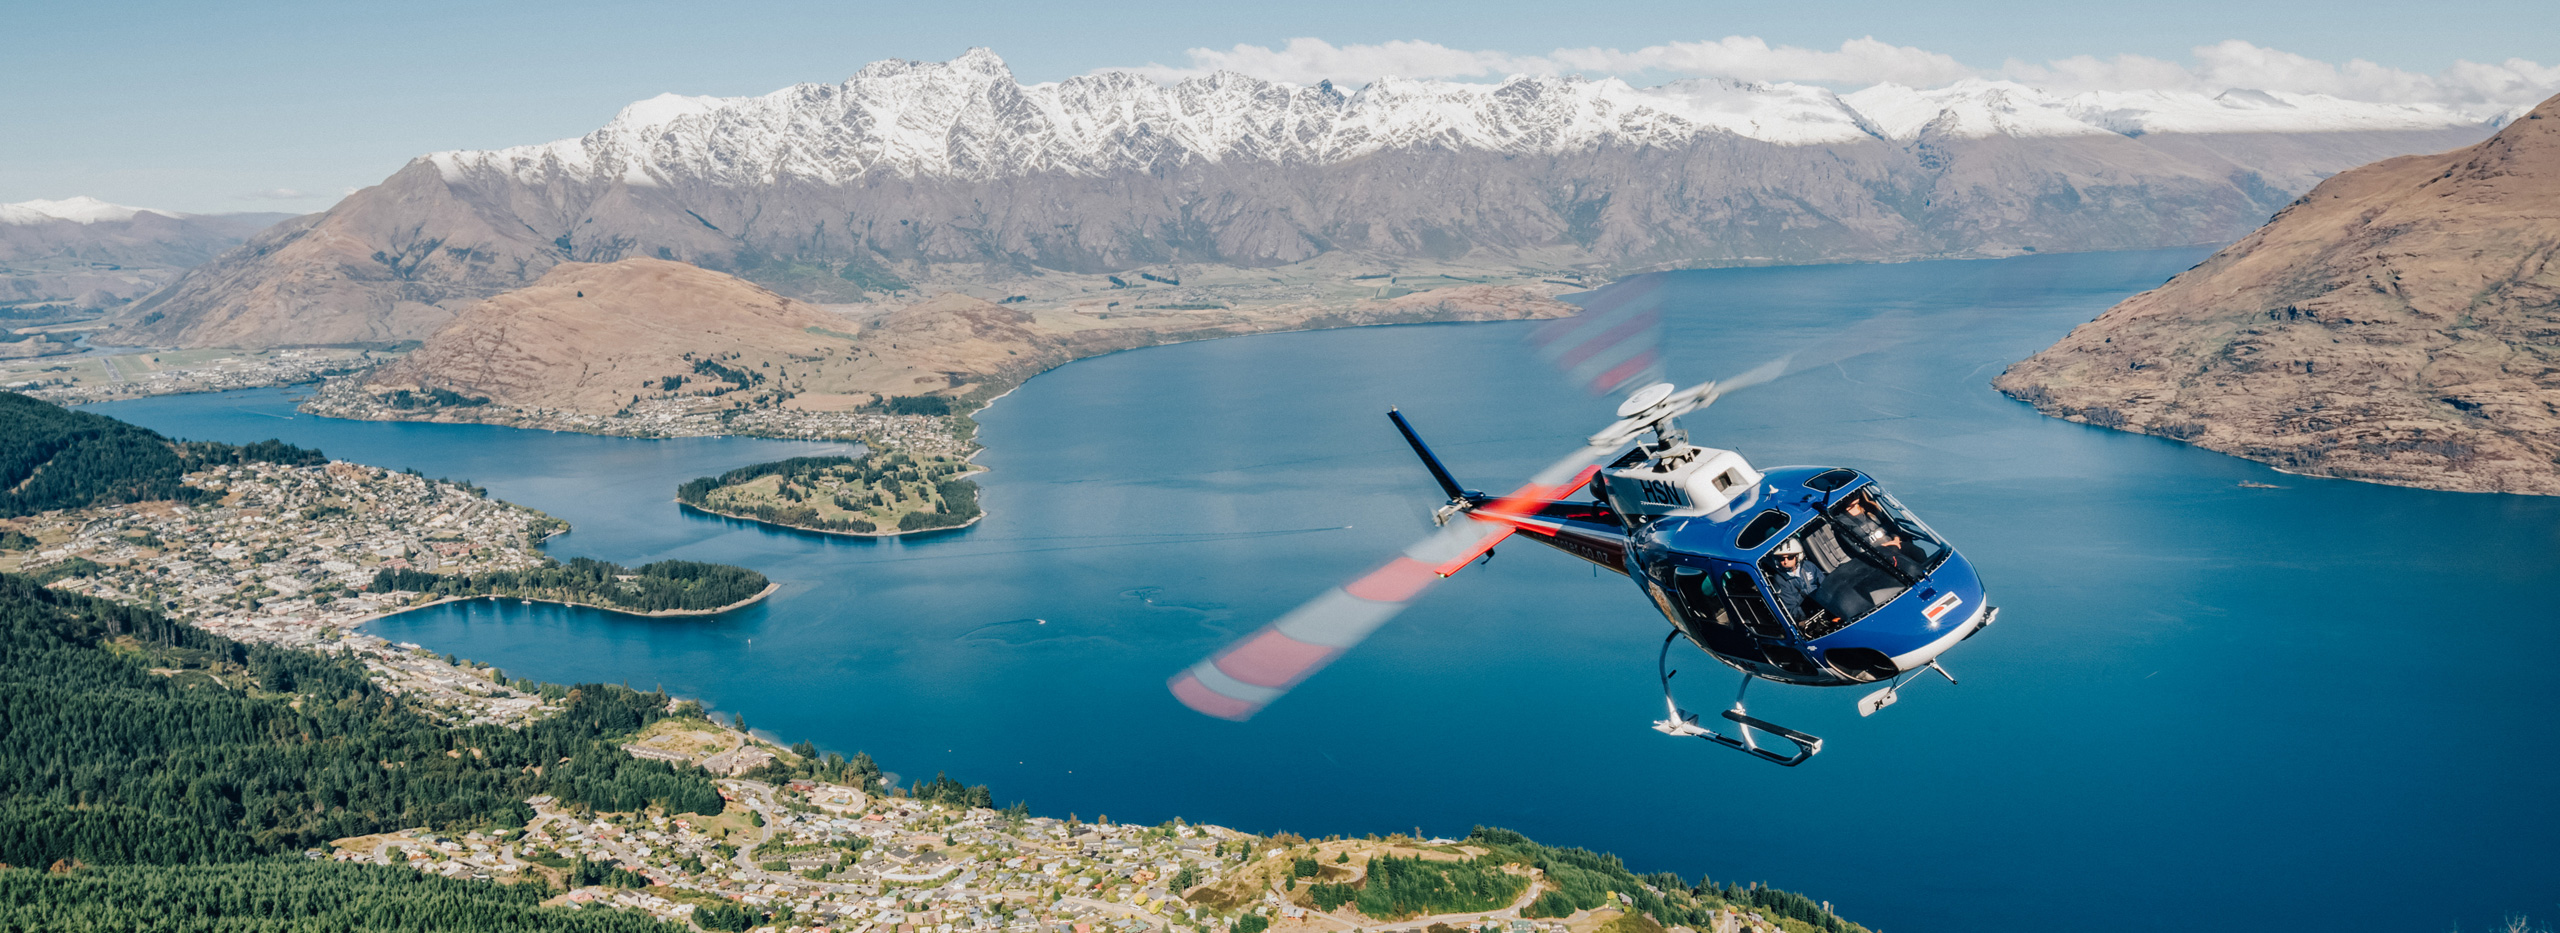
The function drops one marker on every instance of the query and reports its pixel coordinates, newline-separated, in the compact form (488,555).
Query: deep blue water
(2206,706)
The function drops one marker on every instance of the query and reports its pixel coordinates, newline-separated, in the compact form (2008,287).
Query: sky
(286,105)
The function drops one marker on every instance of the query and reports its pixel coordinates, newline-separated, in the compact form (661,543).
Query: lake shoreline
(688,506)
(769,589)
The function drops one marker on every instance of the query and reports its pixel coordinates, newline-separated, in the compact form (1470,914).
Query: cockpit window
(1764,526)
(1868,550)
(1829,480)
(1899,542)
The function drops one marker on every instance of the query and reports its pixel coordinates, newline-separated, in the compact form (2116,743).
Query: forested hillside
(289,896)
(128,738)
(55,458)
(1585,879)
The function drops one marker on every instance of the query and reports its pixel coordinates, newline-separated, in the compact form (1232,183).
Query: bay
(2205,706)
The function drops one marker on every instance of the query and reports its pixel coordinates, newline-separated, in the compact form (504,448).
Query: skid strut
(1684,722)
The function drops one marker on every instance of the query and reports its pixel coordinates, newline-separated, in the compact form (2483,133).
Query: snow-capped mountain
(910,167)
(84,251)
(79,210)
(969,119)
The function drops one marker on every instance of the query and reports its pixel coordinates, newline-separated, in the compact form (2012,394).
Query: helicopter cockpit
(1862,552)
(1758,588)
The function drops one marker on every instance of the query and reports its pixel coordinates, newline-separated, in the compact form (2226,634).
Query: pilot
(1792,577)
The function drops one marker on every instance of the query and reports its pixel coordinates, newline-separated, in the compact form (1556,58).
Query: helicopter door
(1748,603)
(1704,617)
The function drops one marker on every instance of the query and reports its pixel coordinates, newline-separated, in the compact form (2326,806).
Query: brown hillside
(2400,324)
(599,338)
(593,336)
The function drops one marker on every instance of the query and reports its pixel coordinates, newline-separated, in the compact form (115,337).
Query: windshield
(1866,551)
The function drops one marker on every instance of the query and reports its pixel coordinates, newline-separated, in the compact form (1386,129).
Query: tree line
(55,458)
(254,750)
(664,585)
(1585,879)
(1397,887)
(290,895)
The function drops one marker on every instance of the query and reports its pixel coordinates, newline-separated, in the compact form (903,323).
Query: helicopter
(1706,536)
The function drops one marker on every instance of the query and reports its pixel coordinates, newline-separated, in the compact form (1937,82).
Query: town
(924,435)
(283,558)
(103,377)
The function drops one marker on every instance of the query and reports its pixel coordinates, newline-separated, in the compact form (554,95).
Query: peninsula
(2394,325)
(275,544)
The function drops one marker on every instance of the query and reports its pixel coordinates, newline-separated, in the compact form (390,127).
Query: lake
(2205,705)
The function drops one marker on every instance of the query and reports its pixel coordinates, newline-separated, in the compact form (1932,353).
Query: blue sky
(286,105)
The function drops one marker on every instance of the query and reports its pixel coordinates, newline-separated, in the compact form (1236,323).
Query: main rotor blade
(1242,678)
(1614,343)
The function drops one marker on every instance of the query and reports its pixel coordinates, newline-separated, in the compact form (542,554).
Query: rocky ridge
(2399,324)
(923,176)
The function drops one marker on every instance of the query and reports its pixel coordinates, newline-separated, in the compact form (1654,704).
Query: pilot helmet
(1789,548)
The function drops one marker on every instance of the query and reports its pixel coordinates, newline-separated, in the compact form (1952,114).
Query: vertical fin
(1440,473)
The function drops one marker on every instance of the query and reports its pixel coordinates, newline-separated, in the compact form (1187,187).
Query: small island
(665,588)
(874,495)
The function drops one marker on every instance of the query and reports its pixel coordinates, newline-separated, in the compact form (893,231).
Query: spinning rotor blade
(1242,678)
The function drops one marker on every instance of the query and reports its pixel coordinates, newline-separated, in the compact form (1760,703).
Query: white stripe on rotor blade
(1218,682)
(1336,619)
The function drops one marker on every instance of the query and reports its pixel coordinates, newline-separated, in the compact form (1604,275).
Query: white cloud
(2472,86)
(1859,62)
(1307,61)
(280,194)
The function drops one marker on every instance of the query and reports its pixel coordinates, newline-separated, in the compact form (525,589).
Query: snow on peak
(664,109)
(969,118)
(1968,109)
(79,210)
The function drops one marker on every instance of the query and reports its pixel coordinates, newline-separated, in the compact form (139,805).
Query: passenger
(1793,579)
(1865,521)
(1860,516)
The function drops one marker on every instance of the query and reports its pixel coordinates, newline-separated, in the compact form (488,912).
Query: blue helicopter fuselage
(1879,594)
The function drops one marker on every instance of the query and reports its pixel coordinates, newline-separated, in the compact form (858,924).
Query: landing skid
(1684,722)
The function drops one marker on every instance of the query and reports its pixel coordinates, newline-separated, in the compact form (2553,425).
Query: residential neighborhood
(282,557)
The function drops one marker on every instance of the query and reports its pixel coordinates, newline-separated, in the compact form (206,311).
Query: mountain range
(940,174)
(2400,323)
(87,252)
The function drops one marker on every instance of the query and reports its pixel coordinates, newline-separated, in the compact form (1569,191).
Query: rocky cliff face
(909,171)
(2399,324)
